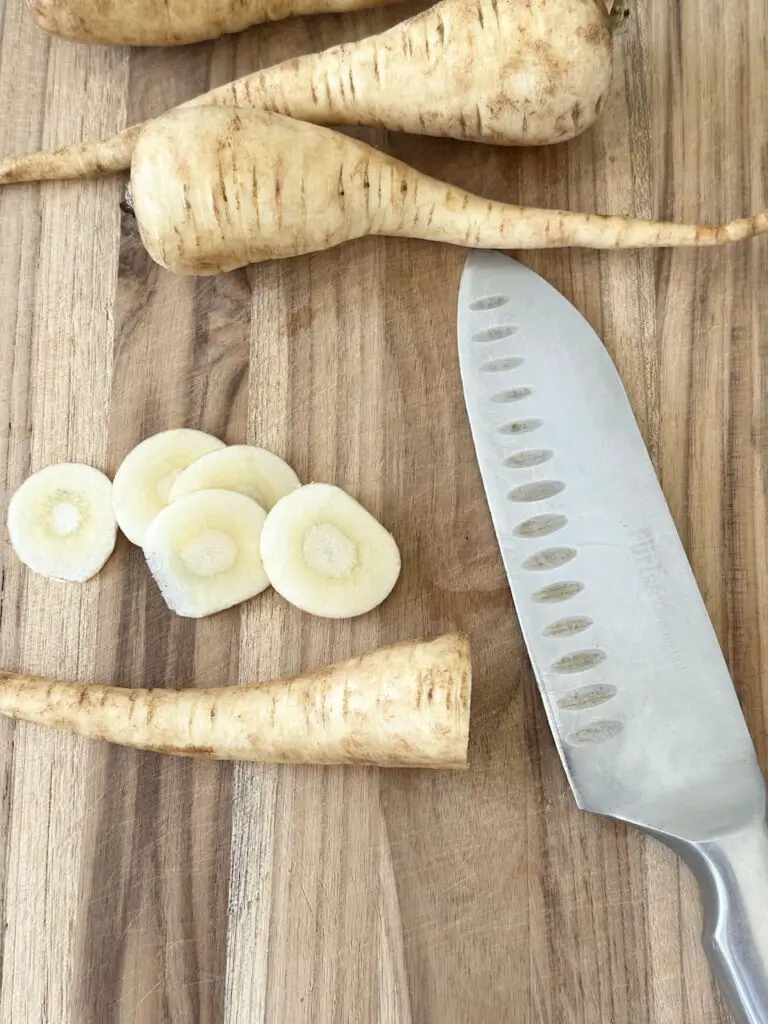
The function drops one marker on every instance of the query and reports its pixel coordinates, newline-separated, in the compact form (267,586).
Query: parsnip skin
(171,22)
(259,186)
(401,706)
(505,72)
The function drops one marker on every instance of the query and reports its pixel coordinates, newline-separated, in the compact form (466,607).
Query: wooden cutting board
(138,888)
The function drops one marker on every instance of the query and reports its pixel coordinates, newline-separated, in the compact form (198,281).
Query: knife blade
(641,705)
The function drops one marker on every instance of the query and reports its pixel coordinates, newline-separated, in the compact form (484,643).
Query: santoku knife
(638,695)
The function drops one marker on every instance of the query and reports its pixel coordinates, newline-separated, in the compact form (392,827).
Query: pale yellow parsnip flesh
(203,552)
(145,477)
(252,471)
(326,554)
(61,523)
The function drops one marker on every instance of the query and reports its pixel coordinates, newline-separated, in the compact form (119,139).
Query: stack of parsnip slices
(218,524)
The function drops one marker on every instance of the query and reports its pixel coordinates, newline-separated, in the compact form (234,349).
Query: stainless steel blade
(636,689)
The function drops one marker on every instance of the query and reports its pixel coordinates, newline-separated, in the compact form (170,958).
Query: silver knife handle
(732,872)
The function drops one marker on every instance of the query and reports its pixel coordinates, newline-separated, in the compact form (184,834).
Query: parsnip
(326,554)
(203,552)
(145,477)
(259,186)
(170,22)
(61,523)
(508,72)
(255,472)
(401,706)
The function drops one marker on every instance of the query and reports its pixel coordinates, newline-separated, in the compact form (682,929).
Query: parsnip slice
(146,475)
(326,554)
(203,551)
(61,522)
(252,471)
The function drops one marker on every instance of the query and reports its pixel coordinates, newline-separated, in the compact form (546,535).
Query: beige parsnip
(255,186)
(171,22)
(407,705)
(507,72)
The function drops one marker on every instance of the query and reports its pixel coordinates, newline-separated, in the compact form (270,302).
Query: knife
(638,696)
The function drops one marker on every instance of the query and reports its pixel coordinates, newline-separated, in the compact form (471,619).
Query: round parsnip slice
(144,479)
(203,551)
(326,554)
(252,471)
(61,522)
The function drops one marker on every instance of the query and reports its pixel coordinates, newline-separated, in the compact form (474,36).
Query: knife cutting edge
(638,696)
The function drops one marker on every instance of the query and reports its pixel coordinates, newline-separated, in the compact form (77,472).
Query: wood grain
(142,889)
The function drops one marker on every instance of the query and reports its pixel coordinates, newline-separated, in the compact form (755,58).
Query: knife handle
(732,872)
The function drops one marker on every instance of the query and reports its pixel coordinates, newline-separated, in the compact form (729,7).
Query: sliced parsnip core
(146,476)
(326,554)
(65,518)
(203,551)
(209,554)
(61,523)
(252,471)
(329,551)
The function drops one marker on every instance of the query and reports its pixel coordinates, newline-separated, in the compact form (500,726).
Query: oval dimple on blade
(578,661)
(488,302)
(502,365)
(491,334)
(595,732)
(549,559)
(516,427)
(528,458)
(554,593)
(568,627)
(541,526)
(511,395)
(586,697)
(538,490)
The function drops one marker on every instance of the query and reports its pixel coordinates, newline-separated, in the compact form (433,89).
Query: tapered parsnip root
(507,72)
(170,22)
(255,186)
(400,706)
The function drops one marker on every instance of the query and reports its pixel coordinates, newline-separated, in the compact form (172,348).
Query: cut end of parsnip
(61,521)
(144,479)
(255,472)
(326,554)
(203,551)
